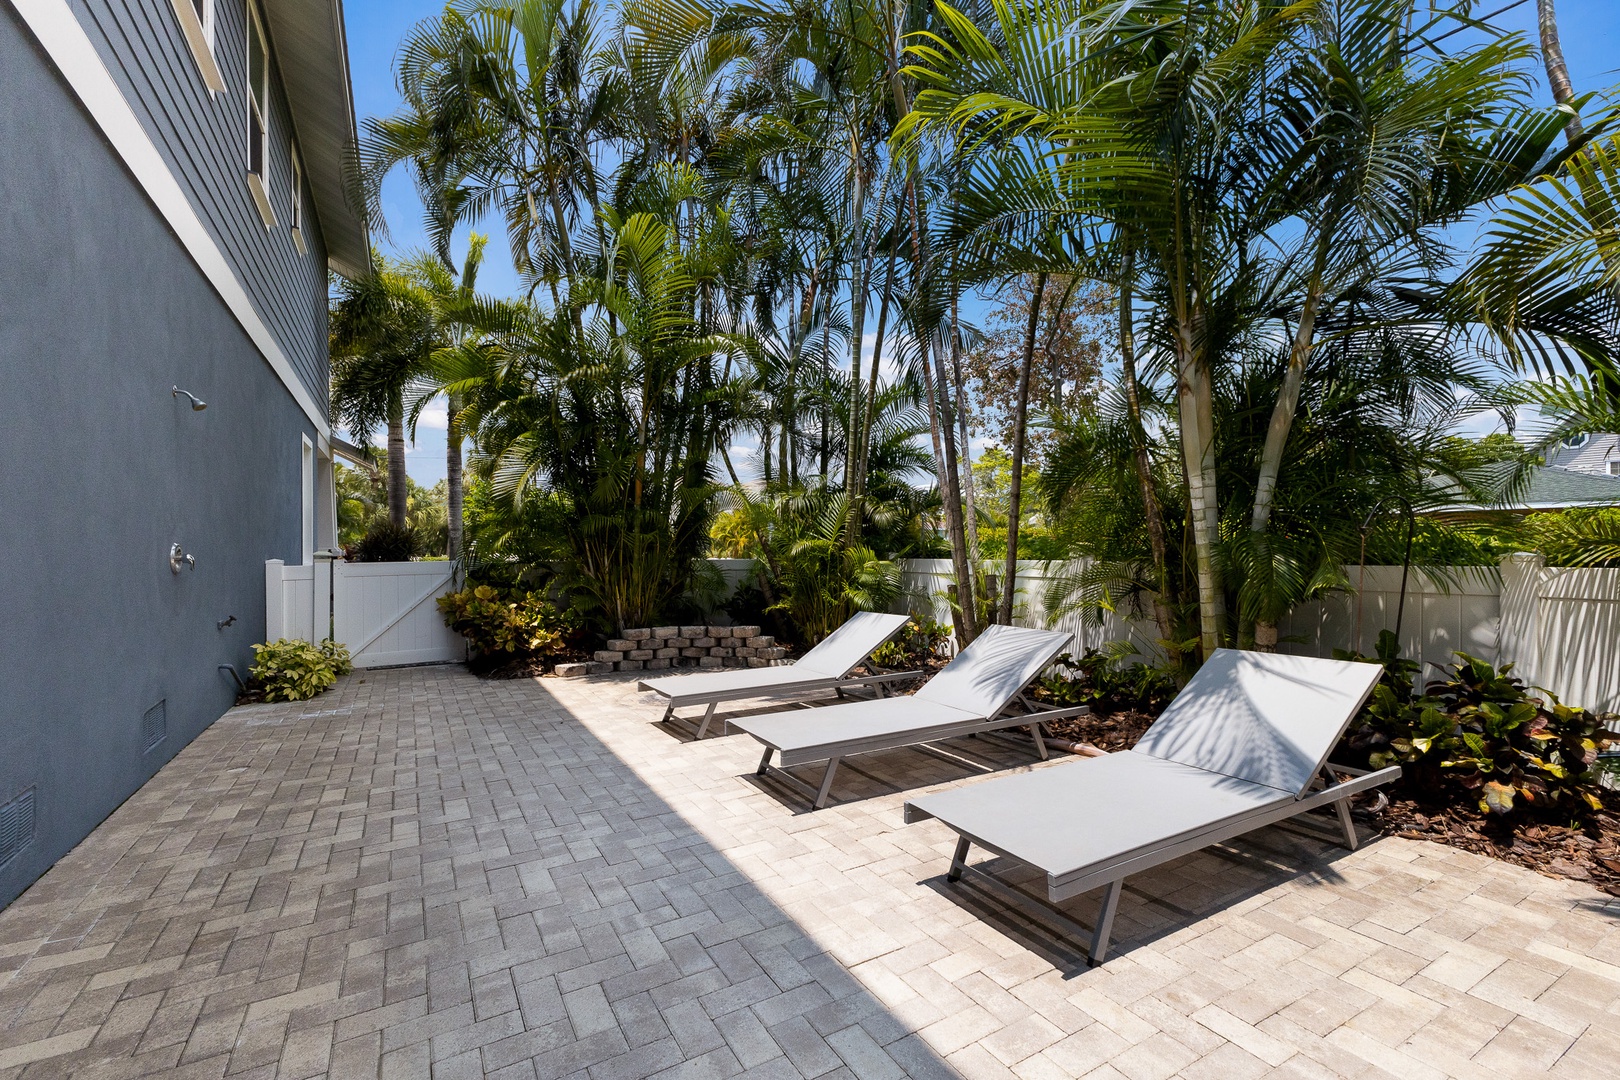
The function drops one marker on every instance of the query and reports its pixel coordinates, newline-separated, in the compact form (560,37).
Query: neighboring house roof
(1554,487)
(313,54)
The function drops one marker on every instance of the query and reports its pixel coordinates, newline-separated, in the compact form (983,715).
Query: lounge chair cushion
(766,679)
(1081,814)
(1263,717)
(838,726)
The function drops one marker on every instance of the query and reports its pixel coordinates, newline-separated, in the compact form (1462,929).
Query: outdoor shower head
(197,403)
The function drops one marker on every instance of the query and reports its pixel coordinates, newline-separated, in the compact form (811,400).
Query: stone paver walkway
(424,874)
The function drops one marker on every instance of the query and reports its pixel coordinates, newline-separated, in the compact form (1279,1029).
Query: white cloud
(435,416)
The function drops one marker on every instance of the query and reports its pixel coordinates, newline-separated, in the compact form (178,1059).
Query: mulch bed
(1588,851)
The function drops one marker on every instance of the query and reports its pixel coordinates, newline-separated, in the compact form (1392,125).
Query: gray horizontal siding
(204,139)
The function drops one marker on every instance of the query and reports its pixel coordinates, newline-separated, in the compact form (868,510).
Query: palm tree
(382,339)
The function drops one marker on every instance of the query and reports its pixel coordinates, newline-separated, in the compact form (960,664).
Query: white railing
(384,612)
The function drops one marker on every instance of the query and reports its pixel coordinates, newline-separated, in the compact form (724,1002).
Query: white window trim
(259,184)
(306,499)
(295,200)
(200,37)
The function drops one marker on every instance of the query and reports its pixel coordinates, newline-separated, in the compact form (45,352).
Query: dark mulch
(1587,850)
(523,667)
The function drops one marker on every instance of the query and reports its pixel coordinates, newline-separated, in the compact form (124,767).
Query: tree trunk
(1195,394)
(969,496)
(1165,596)
(452,479)
(1282,413)
(1015,492)
(396,462)
(857,322)
(1552,54)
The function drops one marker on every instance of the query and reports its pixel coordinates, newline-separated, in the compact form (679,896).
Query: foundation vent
(16,826)
(155,726)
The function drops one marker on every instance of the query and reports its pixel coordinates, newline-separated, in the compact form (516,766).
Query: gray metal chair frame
(790,686)
(1323,785)
(986,678)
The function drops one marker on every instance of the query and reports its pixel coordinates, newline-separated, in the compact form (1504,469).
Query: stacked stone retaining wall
(660,647)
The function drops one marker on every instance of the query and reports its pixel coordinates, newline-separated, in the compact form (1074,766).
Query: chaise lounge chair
(825,667)
(968,697)
(1244,744)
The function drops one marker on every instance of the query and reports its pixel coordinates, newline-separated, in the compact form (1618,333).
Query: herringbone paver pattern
(424,874)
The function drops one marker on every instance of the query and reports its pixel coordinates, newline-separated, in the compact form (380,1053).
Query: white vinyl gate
(386,613)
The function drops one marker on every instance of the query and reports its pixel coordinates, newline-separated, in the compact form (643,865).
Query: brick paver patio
(424,874)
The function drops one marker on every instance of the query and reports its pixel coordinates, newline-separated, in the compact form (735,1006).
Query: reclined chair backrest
(1263,717)
(984,677)
(851,643)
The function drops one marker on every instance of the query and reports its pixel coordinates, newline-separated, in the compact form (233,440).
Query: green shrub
(1484,730)
(1101,679)
(386,542)
(510,622)
(288,669)
(918,643)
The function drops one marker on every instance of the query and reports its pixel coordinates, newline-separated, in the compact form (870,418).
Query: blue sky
(1590,30)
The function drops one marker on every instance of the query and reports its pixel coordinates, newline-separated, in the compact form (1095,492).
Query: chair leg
(1105,923)
(826,782)
(959,860)
(764,763)
(1343,809)
(703,728)
(1040,743)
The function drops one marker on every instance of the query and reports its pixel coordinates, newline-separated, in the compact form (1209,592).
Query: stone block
(666,631)
(572,671)
(694,653)
(720,631)
(743,631)
(754,661)
(772,654)
(704,643)
(658,663)
(600,667)
(630,665)
(765,642)
(721,650)
(691,631)
(744,651)
(710,662)
(619,645)
(679,642)
(607,656)
(639,654)
(643,634)
(666,654)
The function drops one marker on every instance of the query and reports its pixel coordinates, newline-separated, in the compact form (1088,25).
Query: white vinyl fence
(384,612)
(1560,627)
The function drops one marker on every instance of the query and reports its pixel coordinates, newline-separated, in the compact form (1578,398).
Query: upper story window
(258,115)
(196,18)
(296,199)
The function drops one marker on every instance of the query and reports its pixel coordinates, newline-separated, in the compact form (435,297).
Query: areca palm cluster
(1272,183)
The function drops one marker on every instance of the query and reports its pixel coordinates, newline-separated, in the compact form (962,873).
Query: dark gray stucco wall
(101,311)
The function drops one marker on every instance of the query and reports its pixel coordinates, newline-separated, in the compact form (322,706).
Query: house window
(296,199)
(1614,467)
(196,18)
(258,115)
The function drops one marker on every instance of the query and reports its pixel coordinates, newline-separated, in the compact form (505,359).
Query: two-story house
(174,189)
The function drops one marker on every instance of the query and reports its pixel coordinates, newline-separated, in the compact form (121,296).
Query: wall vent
(155,725)
(16,826)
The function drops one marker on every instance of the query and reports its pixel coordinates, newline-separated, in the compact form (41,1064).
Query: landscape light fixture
(197,403)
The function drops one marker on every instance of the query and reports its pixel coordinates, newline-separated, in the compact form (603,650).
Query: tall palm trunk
(1195,394)
(970,500)
(857,322)
(1552,54)
(1165,595)
(396,461)
(452,479)
(1015,493)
